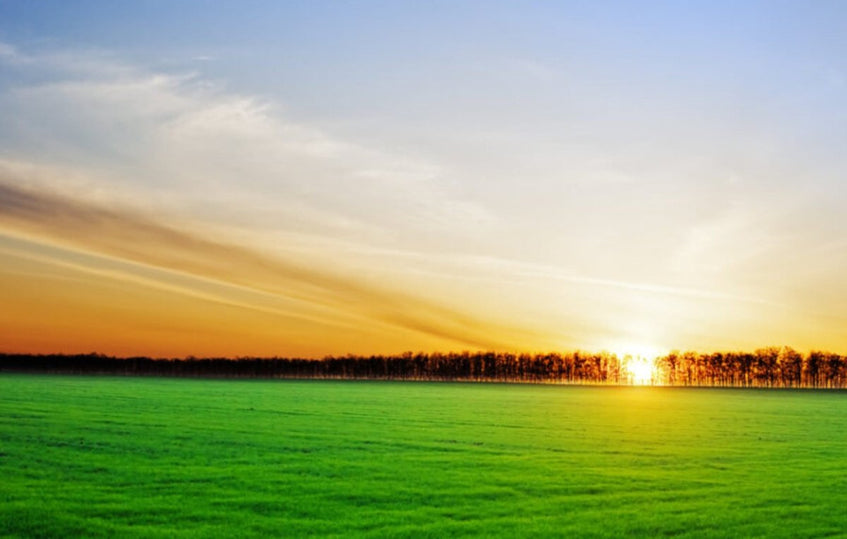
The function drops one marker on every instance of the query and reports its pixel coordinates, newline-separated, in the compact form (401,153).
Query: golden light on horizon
(638,362)
(639,370)
(637,350)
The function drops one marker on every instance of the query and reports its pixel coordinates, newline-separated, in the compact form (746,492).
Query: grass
(152,457)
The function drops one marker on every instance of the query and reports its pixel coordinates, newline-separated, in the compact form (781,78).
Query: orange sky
(82,278)
(78,277)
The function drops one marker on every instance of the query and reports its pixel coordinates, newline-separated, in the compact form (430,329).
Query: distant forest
(766,367)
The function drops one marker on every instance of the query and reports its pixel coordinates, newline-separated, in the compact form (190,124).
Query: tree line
(766,367)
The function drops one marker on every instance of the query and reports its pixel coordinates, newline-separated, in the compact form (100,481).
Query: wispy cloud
(188,140)
(8,53)
(141,240)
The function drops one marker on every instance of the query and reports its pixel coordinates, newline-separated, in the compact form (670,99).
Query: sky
(322,178)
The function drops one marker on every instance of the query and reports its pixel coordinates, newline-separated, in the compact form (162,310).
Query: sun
(638,362)
(640,370)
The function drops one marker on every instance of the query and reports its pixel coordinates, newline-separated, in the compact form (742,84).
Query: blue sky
(619,175)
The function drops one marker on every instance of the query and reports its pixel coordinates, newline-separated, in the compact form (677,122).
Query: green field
(174,457)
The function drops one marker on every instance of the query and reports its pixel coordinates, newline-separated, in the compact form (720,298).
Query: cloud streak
(182,140)
(141,240)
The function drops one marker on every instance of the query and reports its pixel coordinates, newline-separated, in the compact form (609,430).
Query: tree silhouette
(766,367)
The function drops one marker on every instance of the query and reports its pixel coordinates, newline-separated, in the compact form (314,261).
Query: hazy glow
(282,179)
(639,370)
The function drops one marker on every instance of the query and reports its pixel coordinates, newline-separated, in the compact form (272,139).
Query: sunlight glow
(638,361)
(640,370)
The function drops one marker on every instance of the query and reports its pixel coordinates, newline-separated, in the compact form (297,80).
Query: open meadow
(161,457)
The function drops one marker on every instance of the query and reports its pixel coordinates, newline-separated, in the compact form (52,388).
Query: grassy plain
(174,457)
